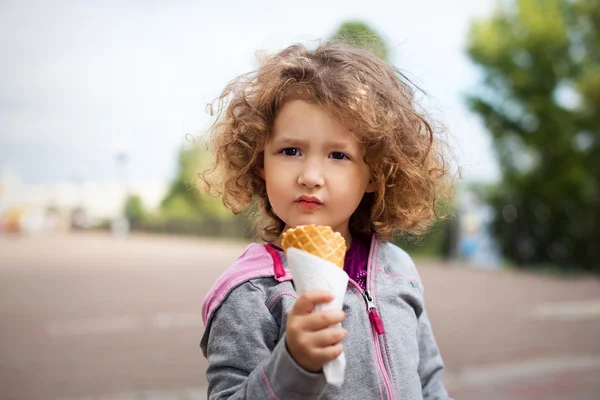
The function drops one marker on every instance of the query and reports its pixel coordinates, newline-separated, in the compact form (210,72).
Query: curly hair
(374,100)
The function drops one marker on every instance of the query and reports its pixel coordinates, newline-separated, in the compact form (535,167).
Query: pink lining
(395,275)
(265,380)
(279,295)
(387,350)
(255,261)
(277,264)
(373,254)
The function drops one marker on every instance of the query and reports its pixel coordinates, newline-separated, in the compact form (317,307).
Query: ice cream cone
(318,240)
(315,256)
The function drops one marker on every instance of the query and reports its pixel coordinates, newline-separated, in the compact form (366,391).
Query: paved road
(94,317)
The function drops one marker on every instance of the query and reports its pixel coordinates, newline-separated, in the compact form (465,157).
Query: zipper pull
(373,314)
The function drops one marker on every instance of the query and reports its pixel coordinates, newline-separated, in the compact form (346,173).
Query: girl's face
(314,169)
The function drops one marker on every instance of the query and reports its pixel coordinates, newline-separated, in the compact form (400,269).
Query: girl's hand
(309,338)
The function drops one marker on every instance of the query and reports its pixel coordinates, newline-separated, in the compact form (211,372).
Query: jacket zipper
(373,314)
(375,320)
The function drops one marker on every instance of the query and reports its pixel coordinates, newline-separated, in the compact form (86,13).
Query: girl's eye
(290,151)
(338,155)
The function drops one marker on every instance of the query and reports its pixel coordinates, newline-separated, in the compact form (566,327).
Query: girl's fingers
(327,337)
(322,319)
(307,301)
(326,354)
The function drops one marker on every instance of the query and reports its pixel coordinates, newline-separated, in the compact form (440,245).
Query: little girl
(325,136)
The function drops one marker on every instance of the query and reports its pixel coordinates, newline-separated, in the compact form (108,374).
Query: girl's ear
(371,187)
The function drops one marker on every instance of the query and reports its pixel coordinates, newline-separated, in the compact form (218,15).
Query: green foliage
(540,101)
(359,34)
(440,240)
(134,208)
(186,198)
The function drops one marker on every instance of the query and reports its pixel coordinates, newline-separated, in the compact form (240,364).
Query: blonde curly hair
(374,100)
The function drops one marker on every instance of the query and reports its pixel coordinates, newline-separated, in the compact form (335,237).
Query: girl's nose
(311,175)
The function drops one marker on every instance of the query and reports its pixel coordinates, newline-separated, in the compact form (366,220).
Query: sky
(82,81)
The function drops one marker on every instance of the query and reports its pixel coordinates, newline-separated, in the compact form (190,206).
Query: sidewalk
(98,318)
(571,382)
(568,378)
(178,394)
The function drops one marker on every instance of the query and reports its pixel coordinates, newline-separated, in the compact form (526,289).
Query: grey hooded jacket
(390,349)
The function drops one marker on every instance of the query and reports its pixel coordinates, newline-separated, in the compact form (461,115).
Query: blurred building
(67,205)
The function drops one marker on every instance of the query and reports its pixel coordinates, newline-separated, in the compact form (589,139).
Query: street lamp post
(121,225)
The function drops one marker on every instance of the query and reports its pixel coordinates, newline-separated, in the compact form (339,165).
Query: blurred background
(107,248)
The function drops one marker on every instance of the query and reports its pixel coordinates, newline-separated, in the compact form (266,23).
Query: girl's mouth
(308,205)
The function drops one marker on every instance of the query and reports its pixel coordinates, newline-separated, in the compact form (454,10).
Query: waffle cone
(317,240)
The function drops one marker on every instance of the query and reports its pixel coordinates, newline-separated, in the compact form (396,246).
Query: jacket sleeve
(431,365)
(246,357)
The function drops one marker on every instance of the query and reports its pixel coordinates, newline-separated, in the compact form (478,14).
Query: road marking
(86,326)
(176,320)
(499,373)
(568,311)
(121,324)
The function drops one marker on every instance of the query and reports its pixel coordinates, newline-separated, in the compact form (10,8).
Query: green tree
(134,208)
(359,34)
(185,199)
(540,100)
